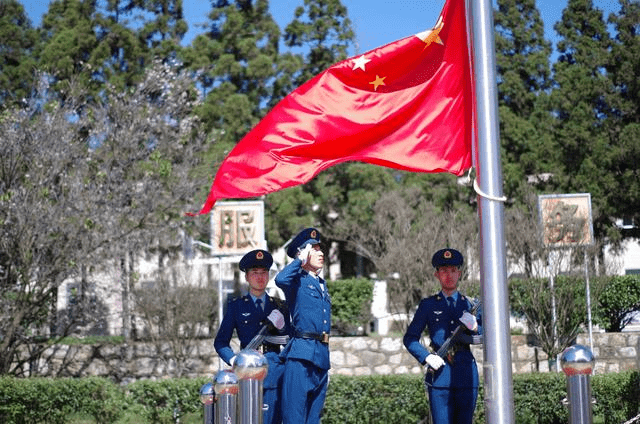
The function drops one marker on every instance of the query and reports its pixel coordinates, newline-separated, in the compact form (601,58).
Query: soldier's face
(316,258)
(257,279)
(448,276)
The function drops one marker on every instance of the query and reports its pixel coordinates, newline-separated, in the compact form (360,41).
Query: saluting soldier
(452,383)
(247,315)
(305,380)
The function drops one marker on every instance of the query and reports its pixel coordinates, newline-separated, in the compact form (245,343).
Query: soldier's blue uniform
(246,318)
(305,380)
(453,388)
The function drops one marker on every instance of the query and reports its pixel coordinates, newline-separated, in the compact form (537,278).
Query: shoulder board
(469,300)
(232,299)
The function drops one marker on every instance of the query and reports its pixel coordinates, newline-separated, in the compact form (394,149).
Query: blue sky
(376,22)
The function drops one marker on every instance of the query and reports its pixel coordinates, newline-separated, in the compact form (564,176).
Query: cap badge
(313,234)
(447,254)
(259,255)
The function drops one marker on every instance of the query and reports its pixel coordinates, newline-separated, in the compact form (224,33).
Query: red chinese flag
(407,105)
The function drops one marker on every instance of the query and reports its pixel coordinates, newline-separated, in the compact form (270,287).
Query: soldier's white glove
(232,360)
(276,318)
(434,361)
(469,320)
(303,254)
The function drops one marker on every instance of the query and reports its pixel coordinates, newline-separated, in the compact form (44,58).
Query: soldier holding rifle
(258,317)
(451,373)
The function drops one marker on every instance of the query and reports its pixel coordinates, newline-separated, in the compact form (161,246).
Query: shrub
(350,304)
(362,399)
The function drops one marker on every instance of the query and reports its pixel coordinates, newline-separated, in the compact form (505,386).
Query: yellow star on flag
(432,35)
(377,82)
(360,62)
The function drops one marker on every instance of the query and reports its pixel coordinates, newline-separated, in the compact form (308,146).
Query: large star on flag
(433,35)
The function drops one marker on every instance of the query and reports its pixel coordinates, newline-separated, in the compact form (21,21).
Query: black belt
(269,347)
(455,346)
(321,337)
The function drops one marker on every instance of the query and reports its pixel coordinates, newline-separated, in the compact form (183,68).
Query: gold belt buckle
(325,337)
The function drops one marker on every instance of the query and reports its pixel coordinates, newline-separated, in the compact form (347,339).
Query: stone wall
(613,352)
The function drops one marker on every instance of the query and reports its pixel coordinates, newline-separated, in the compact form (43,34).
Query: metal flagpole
(498,383)
(588,293)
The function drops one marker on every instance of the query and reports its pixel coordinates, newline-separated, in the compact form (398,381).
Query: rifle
(262,336)
(444,349)
(258,338)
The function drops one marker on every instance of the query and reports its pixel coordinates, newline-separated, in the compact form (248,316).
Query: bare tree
(405,232)
(526,253)
(555,310)
(174,315)
(82,185)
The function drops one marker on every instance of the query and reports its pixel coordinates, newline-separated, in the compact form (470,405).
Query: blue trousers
(272,390)
(452,405)
(273,413)
(304,389)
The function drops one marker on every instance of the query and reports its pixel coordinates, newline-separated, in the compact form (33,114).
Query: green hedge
(40,400)
(375,399)
(366,399)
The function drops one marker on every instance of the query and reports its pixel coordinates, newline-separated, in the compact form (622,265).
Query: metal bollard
(226,397)
(206,397)
(577,363)
(251,368)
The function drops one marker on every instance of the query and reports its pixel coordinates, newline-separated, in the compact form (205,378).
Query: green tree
(524,78)
(242,48)
(119,56)
(351,305)
(623,66)
(522,55)
(619,298)
(68,41)
(235,63)
(322,30)
(17,42)
(162,33)
(581,110)
(287,211)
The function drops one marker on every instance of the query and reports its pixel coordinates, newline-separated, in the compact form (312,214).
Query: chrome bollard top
(225,382)
(250,365)
(577,360)
(206,394)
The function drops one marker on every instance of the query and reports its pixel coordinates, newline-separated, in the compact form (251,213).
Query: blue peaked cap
(304,237)
(256,259)
(446,257)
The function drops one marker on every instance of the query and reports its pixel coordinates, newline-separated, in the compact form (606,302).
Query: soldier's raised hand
(303,254)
